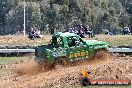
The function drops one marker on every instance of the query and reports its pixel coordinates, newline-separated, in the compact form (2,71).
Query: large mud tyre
(101,54)
(46,65)
(62,61)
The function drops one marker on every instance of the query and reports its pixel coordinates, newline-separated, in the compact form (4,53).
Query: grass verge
(10,60)
(114,40)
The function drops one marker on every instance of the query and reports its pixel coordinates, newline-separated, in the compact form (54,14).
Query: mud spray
(30,67)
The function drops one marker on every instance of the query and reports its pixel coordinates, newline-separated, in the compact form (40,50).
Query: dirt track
(115,68)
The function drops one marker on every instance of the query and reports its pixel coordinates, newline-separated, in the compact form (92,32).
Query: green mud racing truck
(69,47)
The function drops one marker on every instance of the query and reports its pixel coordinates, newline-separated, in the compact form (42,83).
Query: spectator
(37,33)
(80,30)
(126,30)
(131,30)
(32,34)
(106,32)
(90,33)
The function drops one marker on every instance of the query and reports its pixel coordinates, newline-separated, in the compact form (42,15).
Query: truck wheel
(46,65)
(61,61)
(101,54)
(85,81)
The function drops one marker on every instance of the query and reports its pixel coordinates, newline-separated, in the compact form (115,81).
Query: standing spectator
(90,33)
(81,30)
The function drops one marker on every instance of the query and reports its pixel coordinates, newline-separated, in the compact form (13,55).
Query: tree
(58,15)
(15,17)
(5,7)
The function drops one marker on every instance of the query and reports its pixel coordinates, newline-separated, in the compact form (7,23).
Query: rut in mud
(116,67)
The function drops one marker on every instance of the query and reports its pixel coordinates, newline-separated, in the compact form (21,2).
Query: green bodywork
(68,45)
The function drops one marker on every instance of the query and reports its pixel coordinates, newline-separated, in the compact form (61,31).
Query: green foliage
(16,17)
(50,16)
(5,7)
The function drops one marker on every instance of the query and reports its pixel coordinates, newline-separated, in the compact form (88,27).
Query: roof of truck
(66,34)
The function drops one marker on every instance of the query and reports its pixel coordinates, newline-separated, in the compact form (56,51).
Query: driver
(77,42)
(74,42)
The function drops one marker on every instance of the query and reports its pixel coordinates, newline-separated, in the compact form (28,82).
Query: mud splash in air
(31,67)
(27,67)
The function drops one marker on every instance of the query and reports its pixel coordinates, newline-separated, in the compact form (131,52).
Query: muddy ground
(116,67)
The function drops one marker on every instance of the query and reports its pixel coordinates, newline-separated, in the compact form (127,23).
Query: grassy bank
(20,40)
(11,60)
(114,40)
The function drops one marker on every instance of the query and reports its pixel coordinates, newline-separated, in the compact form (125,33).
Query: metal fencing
(113,50)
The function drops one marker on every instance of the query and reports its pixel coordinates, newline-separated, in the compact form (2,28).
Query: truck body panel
(70,46)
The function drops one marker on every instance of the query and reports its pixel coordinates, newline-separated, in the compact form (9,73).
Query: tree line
(50,16)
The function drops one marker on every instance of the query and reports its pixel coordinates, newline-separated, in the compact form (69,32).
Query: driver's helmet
(77,42)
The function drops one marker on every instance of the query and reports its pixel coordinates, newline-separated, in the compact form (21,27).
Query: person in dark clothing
(90,33)
(126,30)
(106,32)
(81,34)
(81,31)
(32,34)
(131,30)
